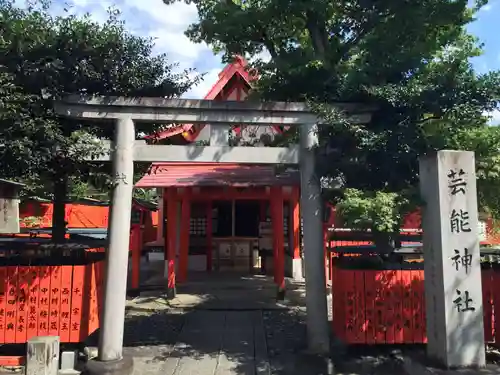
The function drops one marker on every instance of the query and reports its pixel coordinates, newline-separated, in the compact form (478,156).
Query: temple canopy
(216,174)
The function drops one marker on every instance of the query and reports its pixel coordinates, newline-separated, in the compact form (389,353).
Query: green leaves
(43,58)
(379,211)
(408,58)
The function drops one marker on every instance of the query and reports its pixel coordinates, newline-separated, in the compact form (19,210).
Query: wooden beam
(228,195)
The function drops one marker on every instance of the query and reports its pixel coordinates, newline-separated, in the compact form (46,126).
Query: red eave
(215,174)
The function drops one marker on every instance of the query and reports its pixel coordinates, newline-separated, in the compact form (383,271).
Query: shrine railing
(55,294)
(377,303)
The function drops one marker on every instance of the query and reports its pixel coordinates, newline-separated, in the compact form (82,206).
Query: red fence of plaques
(50,299)
(388,306)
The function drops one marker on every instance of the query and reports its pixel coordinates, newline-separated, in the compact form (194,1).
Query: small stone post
(43,355)
(318,331)
(453,294)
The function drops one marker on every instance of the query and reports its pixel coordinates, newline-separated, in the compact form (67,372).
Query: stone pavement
(220,324)
(219,343)
(227,324)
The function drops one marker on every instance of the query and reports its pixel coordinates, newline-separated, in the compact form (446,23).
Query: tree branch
(269,45)
(373,20)
(318,34)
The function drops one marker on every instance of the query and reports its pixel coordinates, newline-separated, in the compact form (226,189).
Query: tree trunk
(385,242)
(59,209)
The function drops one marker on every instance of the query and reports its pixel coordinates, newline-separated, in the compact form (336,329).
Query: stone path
(220,343)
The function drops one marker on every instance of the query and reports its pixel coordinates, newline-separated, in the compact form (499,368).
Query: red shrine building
(227,216)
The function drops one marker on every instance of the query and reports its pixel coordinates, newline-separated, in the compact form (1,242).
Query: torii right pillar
(453,294)
(318,330)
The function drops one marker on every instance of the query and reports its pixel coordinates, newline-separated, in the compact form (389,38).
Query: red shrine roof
(216,174)
(233,84)
(235,77)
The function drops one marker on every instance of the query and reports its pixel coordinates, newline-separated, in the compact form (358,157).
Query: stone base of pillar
(297,269)
(280,295)
(165,269)
(171,293)
(124,366)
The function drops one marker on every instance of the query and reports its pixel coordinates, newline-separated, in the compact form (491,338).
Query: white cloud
(177,45)
(264,56)
(199,91)
(82,3)
(166,24)
(174,16)
(169,22)
(494,117)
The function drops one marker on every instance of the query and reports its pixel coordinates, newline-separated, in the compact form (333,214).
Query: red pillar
(171,240)
(209,230)
(295,208)
(184,235)
(262,213)
(136,248)
(327,261)
(278,237)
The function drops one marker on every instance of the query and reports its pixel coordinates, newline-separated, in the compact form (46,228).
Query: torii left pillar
(110,358)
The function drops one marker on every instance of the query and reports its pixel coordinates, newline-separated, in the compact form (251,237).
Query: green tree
(411,59)
(43,58)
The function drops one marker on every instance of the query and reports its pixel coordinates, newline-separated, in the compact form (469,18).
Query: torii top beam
(202,111)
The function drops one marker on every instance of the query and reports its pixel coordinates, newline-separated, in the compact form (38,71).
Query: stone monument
(453,294)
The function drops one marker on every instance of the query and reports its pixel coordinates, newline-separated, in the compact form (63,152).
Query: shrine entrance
(221,116)
(246,230)
(235,236)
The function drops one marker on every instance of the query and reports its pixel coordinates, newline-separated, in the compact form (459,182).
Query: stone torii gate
(123,112)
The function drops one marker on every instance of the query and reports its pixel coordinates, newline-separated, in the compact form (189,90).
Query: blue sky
(486,29)
(168,23)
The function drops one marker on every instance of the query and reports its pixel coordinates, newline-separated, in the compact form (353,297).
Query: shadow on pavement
(219,327)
